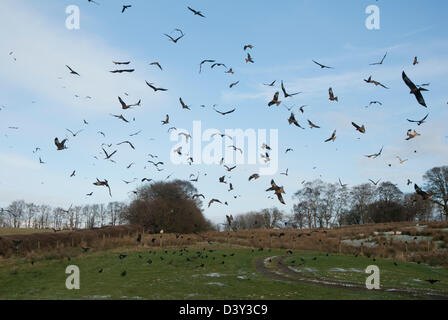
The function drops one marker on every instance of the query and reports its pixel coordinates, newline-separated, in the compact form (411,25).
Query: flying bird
(123,70)
(375,102)
(224,113)
(419,122)
(292,120)
(196,13)
(233,84)
(375,155)
(74,134)
(275,100)
(312,125)
(72,71)
(125,7)
(301,108)
(415,61)
(332,97)
(184,106)
(134,134)
(376,83)
(255,176)
(60,145)
(278,191)
(218,65)
(175,39)
(119,117)
(166,121)
(375,183)
(155,88)
(236,149)
(381,62)
(156,64)
(265,146)
(322,66)
(121,63)
(249,58)
(342,185)
(401,160)
(412,135)
(129,143)
(104,183)
(205,61)
(287,94)
(332,138)
(270,84)
(414,90)
(124,106)
(108,156)
(361,129)
(212,201)
(423,194)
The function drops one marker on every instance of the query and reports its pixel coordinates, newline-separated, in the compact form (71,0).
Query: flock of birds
(278,191)
(205,254)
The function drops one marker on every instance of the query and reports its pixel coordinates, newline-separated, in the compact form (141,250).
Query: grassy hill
(250,264)
(210,273)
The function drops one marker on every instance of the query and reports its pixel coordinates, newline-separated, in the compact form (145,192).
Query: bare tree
(436,181)
(246,221)
(272,218)
(389,192)
(361,196)
(16,212)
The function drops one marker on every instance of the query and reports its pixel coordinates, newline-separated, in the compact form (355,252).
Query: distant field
(224,273)
(10,231)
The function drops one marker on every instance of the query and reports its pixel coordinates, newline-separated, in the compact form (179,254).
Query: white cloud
(8,160)
(43,49)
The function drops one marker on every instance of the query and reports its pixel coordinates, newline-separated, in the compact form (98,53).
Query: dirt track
(284,273)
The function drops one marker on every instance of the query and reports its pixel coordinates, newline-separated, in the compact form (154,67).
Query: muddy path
(282,272)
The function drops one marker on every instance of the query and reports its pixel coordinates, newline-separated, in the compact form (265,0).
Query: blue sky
(38,93)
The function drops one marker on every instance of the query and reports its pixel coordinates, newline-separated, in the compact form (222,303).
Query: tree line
(21,214)
(324,205)
(176,206)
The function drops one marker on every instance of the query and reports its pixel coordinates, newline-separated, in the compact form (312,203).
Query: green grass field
(172,276)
